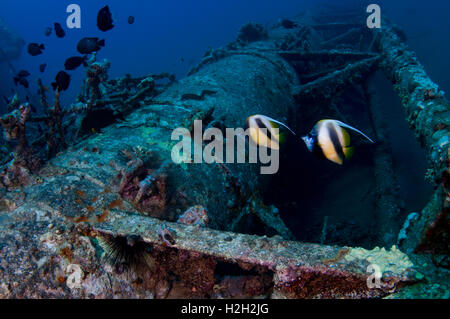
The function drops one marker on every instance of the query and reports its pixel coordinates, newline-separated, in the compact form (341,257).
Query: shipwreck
(96,208)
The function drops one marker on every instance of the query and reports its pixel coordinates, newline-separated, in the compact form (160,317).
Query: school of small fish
(85,46)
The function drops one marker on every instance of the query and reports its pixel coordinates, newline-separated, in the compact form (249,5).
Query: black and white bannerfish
(264,131)
(328,138)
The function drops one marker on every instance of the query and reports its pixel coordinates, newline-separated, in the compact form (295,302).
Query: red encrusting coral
(197,215)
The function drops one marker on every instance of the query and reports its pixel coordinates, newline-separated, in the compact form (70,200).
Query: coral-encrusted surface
(44,254)
(428,114)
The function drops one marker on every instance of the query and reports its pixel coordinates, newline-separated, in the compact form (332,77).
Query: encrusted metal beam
(334,26)
(300,270)
(328,55)
(428,114)
(329,86)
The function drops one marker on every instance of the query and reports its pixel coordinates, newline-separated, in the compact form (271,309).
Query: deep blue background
(166,31)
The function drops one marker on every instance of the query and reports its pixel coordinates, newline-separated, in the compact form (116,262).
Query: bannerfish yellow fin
(346,138)
(282,138)
(348,152)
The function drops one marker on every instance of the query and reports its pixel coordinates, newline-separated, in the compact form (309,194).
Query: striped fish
(329,139)
(264,131)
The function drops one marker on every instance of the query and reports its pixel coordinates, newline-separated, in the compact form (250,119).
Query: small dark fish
(74,62)
(104,19)
(35,49)
(21,81)
(23,74)
(6,100)
(89,45)
(60,33)
(62,81)
(48,31)
(182,60)
(42,67)
(288,24)
(131,20)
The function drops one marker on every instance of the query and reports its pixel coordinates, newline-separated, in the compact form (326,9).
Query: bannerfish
(48,31)
(60,33)
(89,45)
(74,62)
(62,81)
(104,19)
(329,139)
(42,67)
(23,74)
(35,49)
(22,81)
(131,20)
(264,131)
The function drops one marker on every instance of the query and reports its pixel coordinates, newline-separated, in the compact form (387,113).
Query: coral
(166,235)
(197,216)
(388,261)
(14,124)
(144,187)
(18,171)
(56,137)
(97,73)
(403,232)
(75,276)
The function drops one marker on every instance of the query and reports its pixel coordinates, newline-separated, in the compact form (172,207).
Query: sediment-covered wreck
(111,215)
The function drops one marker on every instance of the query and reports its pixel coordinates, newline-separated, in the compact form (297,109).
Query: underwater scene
(224,149)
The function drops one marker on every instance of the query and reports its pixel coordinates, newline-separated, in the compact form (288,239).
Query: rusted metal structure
(57,233)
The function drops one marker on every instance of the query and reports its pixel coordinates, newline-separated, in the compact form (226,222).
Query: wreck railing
(428,114)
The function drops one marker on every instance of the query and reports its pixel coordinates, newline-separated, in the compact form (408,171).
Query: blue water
(167,32)
(164,33)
